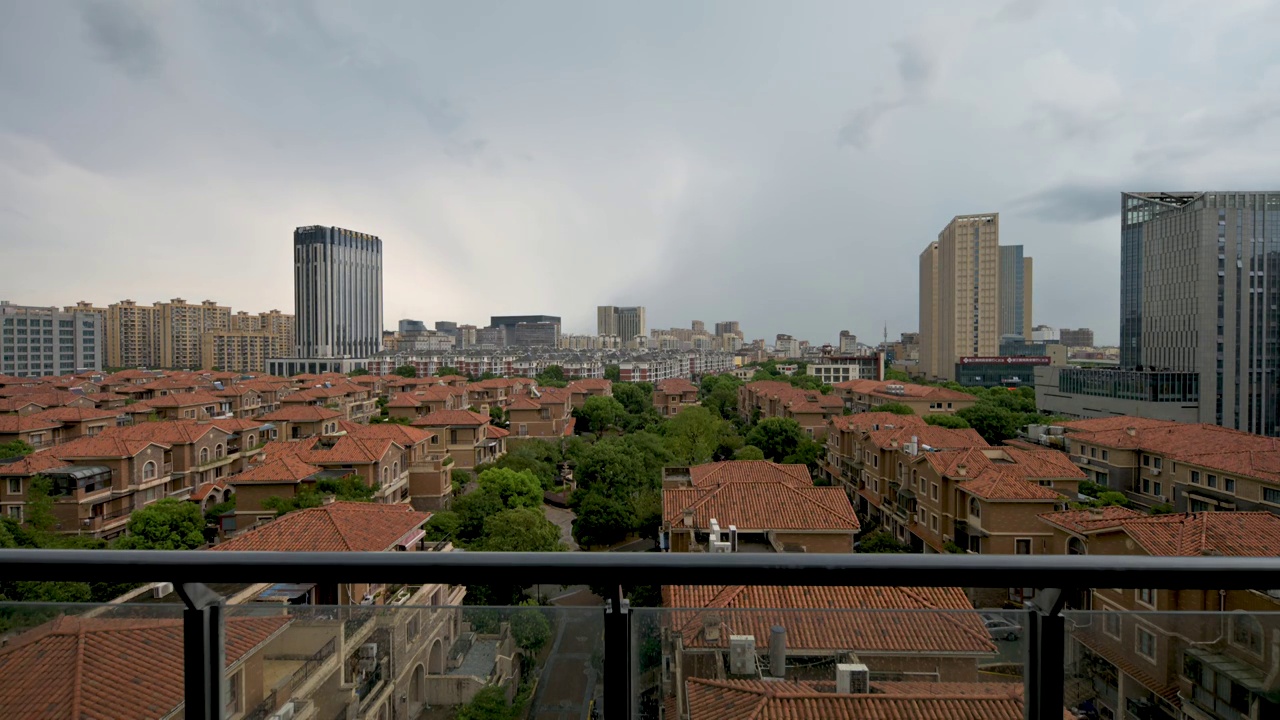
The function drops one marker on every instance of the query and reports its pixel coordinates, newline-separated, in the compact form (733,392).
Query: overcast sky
(781,164)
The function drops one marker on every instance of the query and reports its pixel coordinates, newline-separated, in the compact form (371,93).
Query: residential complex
(38,341)
(337,292)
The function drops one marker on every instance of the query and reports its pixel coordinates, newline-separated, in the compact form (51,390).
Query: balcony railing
(1026,646)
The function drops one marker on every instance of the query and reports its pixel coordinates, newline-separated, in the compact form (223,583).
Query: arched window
(975,509)
(395,469)
(253,440)
(204,455)
(217,451)
(386,475)
(1246,632)
(149,470)
(1076,546)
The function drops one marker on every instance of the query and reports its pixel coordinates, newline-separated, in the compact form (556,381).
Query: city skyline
(631,205)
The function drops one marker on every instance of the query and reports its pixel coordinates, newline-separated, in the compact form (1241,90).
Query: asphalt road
(564,520)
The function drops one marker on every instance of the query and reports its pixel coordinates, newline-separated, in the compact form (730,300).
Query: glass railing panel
(897,658)
(1146,665)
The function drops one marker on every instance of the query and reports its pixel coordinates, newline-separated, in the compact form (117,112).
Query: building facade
(960,293)
(182,326)
(40,341)
(337,292)
(1080,337)
(133,335)
(1015,292)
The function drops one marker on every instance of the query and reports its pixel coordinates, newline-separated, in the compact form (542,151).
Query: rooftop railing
(631,662)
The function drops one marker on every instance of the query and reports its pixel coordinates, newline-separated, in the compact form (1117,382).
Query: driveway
(564,520)
(568,680)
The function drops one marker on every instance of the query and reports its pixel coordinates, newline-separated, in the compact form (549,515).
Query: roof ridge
(77,686)
(804,493)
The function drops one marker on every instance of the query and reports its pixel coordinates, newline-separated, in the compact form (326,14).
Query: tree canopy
(601,413)
(749,452)
(530,629)
(947,421)
(881,541)
(777,438)
(351,488)
(613,373)
(406,371)
(16,448)
(896,408)
(358,372)
(521,529)
(166,524)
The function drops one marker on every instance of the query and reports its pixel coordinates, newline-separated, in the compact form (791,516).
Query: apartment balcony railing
(1058,656)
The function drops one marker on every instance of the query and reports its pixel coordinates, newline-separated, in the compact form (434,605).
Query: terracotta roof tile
(1227,534)
(301,413)
(711,474)
(31,465)
(494,432)
(74,414)
(283,469)
(402,434)
(675,385)
(102,446)
(1113,423)
(993,484)
(336,527)
(141,658)
(883,619)
(204,489)
(181,400)
(446,418)
(524,402)
(766,700)
(403,400)
(761,506)
(869,421)
(13,424)
(587,384)
(1209,446)
(909,391)
(1084,521)
(169,432)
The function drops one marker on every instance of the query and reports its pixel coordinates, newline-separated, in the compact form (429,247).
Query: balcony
(1028,663)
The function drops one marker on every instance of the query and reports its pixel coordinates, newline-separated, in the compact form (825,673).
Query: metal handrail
(985,571)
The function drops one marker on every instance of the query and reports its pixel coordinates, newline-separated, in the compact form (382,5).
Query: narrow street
(563,518)
(568,680)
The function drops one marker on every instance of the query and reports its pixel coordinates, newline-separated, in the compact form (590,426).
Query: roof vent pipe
(778,651)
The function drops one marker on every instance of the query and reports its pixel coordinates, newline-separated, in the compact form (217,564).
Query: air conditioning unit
(368,656)
(159,590)
(853,678)
(284,713)
(742,654)
(1155,471)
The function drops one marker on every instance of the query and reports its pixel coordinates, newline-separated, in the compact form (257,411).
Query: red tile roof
(336,527)
(869,421)
(993,484)
(182,400)
(494,432)
(74,414)
(762,506)
(301,413)
(13,424)
(403,400)
(930,438)
(766,700)
(1113,423)
(675,385)
(204,489)
(283,469)
(1228,534)
(586,384)
(524,402)
(404,435)
(910,391)
(1209,446)
(31,465)
(102,446)
(711,474)
(446,418)
(891,619)
(1084,521)
(169,432)
(74,667)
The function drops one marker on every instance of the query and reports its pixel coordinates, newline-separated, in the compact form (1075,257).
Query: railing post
(1045,672)
(617,658)
(204,652)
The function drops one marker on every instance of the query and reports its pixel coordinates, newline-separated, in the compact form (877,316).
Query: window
(975,509)
(1157,463)
(1195,477)
(1211,481)
(218,451)
(15,486)
(204,455)
(233,693)
(1146,486)
(933,523)
(15,512)
(875,460)
(1271,495)
(1147,597)
(1159,490)
(149,470)
(1146,461)
(1100,478)
(1247,633)
(1199,506)
(1104,456)
(1093,452)
(1111,624)
(1146,645)
(1229,484)
(933,491)
(1022,546)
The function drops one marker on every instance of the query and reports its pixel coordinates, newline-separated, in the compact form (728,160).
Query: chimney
(778,651)
(1132,431)
(962,470)
(688,517)
(711,627)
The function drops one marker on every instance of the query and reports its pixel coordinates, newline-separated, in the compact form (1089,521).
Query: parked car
(1001,627)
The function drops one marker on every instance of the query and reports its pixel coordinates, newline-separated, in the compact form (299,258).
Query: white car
(1001,627)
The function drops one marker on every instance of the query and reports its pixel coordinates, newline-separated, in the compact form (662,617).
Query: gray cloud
(1018,11)
(123,37)
(1072,203)
(917,66)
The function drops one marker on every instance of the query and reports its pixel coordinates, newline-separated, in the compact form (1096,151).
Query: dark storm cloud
(123,37)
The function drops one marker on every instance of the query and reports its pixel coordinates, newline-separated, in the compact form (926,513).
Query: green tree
(513,489)
(777,438)
(992,421)
(647,507)
(166,524)
(947,421)
(633,397)
(490,703)
(612,373)
(498,416)
(615,466)
(473,509)
(520,530)
(530,629)
(896,376)
(808,452)
(351,488)
(40,504)
(881,541)
(214,513)
(406,371)
(443,525)
(447,371)
(554,373)
(358,372)
(601,413)
(693,436)
(16,448)
(723,401)
(749,452)
(896,408)
(602,519)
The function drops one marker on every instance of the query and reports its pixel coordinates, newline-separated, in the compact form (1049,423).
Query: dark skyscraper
(337,292)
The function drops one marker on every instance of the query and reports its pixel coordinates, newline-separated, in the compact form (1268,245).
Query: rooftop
(336,527)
